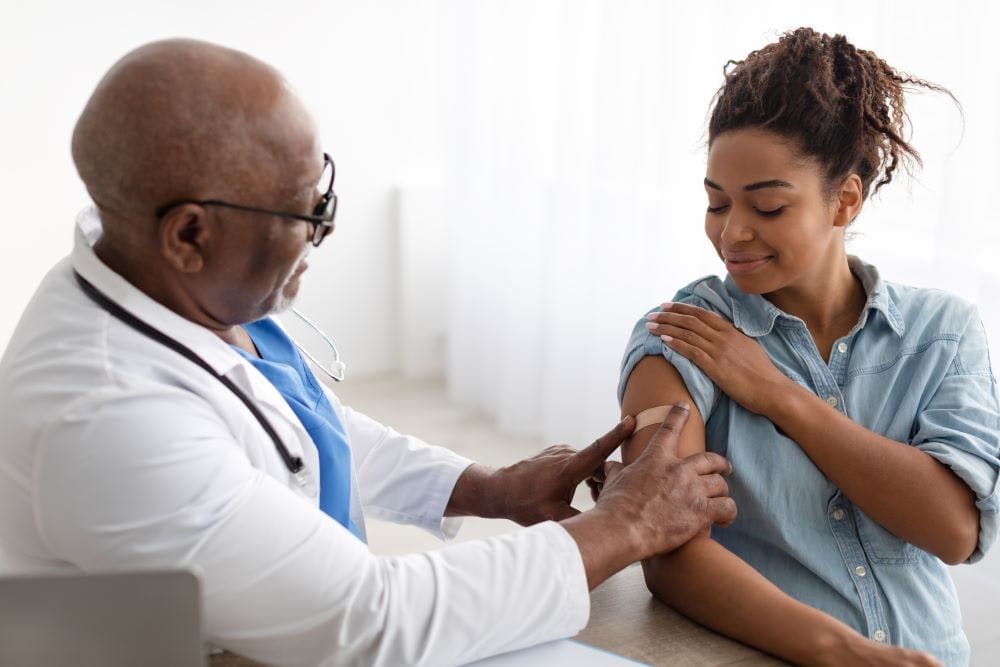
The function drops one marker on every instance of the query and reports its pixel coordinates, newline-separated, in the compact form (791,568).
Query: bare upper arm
(654,381)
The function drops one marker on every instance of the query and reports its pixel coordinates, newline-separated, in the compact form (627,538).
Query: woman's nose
(736,230)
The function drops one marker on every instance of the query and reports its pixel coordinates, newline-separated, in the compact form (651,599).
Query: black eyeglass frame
(321,217)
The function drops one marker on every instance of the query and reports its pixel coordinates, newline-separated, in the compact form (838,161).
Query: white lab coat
(116,453)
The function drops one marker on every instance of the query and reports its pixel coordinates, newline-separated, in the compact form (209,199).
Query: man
(119,452)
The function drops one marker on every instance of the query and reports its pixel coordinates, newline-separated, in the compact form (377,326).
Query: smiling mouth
(744,266)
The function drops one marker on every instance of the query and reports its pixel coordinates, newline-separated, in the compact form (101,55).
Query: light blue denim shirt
(916,369)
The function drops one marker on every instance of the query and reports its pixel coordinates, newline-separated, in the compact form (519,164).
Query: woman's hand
(734,361)
(860,650)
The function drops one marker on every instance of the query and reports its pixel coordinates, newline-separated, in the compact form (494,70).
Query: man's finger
(588,459)
(722,511)
(715,486)
(601,472)
(564,513)
(708,463)
(611,470)
(664,441)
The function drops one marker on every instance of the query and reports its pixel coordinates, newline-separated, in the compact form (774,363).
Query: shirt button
(879,635)
(860,570)
(838,514)
(832,400)
(842,347)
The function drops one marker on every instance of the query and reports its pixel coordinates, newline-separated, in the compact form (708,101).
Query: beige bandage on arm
(651,416)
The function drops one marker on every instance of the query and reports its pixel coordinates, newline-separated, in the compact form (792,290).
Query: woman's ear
(849,198)
(183,235)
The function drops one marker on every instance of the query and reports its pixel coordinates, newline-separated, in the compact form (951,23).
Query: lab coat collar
(223,359)
(202,341)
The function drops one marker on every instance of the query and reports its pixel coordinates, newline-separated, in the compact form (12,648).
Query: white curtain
(575,149)
(575,135)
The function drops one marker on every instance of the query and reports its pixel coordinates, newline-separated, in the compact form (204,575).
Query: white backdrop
(519,180)
(576,168)
(575,154)
(365,68)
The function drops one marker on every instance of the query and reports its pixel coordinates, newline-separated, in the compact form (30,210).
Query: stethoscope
(337,367)
(293,463)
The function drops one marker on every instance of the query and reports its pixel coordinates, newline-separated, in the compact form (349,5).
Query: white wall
(575,164)
(399,86)
(366,69)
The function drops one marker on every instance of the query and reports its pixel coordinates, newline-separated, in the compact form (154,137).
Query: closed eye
(767,214)
(774,213)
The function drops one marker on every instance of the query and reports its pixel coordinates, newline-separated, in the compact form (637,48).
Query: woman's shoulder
(709,292)
(923,307)
(931,316)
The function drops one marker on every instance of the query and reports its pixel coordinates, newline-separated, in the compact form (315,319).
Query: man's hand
(537,489)
(665,499)
(654,505)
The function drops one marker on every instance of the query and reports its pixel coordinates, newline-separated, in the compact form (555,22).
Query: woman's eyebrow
(767,184)
(761,185)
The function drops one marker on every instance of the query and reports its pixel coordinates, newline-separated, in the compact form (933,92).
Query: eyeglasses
(321,218)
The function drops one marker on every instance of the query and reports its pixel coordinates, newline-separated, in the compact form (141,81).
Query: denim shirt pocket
(881,546)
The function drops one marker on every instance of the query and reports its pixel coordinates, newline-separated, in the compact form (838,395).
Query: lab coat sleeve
(402,478)
(282,582)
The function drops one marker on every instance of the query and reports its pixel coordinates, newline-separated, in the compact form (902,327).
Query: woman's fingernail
(652,316)
(651,325)
(665,338)
(666,304)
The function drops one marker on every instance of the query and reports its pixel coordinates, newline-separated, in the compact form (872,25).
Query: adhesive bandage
(651,416)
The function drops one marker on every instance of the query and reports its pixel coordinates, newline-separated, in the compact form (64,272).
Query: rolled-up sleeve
(960,427)
(642,343)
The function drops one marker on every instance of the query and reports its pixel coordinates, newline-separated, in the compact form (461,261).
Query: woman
(860,416)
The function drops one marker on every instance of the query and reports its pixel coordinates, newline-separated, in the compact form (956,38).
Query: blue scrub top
(282,364)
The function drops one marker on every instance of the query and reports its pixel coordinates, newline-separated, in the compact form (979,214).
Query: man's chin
(282,305)
(286,299)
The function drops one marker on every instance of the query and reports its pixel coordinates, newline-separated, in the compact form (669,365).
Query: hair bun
(841,105)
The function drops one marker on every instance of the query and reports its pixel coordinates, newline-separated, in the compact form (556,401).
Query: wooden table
(625,619)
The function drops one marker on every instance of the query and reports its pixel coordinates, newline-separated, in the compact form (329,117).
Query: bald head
(183,119)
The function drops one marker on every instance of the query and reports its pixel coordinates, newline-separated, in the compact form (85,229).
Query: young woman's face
(768,216)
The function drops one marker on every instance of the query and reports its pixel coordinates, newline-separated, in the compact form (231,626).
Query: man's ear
(849,198)
(183,235)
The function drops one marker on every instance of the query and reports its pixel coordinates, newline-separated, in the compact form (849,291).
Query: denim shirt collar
(755,316)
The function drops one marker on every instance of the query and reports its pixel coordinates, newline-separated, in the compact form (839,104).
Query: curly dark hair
(840,105)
